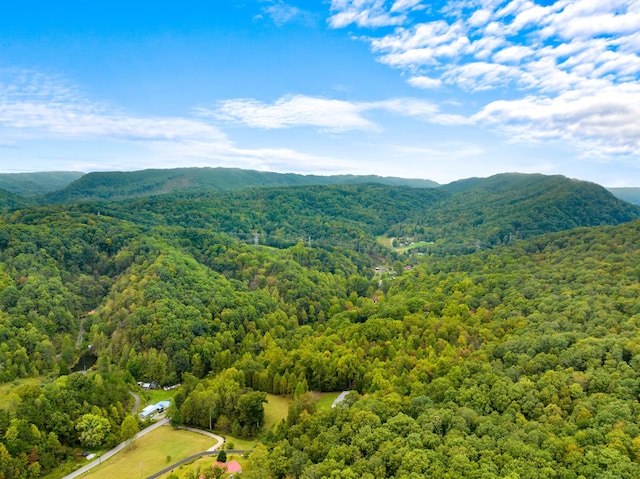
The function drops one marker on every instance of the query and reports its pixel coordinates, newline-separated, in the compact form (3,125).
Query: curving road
(114,451)
(180,463)
(136,404)
(219,439)
(213,450)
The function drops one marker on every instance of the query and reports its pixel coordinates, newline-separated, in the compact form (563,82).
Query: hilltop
(123,185)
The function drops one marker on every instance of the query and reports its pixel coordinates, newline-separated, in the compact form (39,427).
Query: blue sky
(424,89)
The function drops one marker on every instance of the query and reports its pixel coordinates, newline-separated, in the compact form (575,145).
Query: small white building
(149,411)
(154,408)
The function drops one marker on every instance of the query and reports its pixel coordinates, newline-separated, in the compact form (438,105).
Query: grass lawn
(385,241)
(275,410)
(7,391)
(325,400)
(151,453)
(407,248)
(157,395)
(238,443)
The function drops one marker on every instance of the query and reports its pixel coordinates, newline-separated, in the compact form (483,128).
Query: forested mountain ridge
(122,185)
(33,184)
(458,218)
(484,212)
(474,365)
(333,215)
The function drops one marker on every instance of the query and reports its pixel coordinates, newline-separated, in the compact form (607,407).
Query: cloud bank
(570,69)
(38,107)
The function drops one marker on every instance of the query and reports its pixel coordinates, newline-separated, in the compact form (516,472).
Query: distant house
(149,411)
(154,408)
(232,467)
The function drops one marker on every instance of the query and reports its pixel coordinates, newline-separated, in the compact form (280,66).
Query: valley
(503,333)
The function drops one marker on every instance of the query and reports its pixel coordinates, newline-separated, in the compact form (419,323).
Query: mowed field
(325,400)
(151,453)
(275,410)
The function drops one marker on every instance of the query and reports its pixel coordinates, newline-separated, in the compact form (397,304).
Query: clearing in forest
(151,453)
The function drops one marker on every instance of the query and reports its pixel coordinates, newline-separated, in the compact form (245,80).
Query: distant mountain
(123,185)
(483,212)
(33,184)
(458,218)
(632,195)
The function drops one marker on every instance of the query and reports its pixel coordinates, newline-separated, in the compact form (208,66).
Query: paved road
(113,451)
(219,439)
(213,450)
(179,463)
(191,458)
(137,403)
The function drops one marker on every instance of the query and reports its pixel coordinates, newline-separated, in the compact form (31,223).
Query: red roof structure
(232,466)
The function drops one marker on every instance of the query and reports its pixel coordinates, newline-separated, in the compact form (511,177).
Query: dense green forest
(34,184)
(509,348)
(122,185)
(12,201)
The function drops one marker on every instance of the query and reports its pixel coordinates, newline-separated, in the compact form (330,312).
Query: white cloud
(36,108)
(325,114)
(370,13)
(424,35)
(513,54)
(607,120)
(424,82)
(479,18)
(282,13)
(43,105)
(570,68)
(264,159)
(476,76)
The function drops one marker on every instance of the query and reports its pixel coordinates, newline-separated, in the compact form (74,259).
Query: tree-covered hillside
(122,185)
(33,184)
(458,218)
(484,212)
(474,365)
(519,362)
(13,201)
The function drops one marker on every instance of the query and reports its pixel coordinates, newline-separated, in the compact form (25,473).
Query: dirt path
(136,404)
(80,332)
